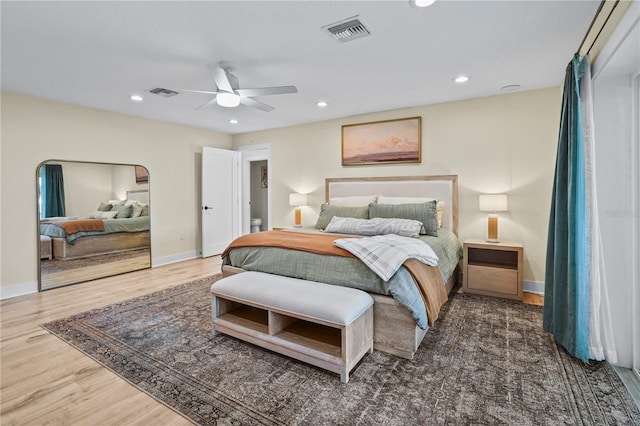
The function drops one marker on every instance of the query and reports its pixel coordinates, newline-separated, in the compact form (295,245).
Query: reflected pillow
(327,211)
(122,212)
(103,215)
(423,212)
(145,208)
(103,207)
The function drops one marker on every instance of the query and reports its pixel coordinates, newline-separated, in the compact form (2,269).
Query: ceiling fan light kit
(228,100)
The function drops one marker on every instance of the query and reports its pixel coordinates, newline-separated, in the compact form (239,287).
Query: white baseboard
(20,289)
(536,287)
(173,258)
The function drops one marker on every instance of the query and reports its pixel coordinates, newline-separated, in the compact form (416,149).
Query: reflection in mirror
(93,221)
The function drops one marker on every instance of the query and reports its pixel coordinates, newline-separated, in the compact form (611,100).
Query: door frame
(249,154)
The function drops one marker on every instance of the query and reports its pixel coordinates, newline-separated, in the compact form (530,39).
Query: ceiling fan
(230,95)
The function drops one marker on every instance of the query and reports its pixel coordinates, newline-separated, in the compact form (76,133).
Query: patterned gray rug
(487,361)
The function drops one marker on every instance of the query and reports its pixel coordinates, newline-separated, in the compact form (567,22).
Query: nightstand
(493,269)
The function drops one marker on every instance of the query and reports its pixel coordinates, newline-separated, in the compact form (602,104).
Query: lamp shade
(296,199)
(493,203)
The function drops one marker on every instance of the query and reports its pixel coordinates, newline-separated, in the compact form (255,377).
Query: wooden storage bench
(328,326)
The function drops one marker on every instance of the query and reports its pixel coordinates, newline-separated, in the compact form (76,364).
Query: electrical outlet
(181,236)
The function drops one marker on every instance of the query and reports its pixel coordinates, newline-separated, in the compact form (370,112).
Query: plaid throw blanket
(384,254)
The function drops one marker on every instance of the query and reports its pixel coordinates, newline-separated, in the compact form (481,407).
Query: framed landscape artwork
(382,142)
(142,174)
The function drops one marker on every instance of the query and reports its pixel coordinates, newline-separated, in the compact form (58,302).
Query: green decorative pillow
(104,207)
(424,212)
(123,211)
(327,211)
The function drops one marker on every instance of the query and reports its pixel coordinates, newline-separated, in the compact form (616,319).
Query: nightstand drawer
(496,280)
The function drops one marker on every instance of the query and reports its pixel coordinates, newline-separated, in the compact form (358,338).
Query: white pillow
(103,215)
(137,209)
(117,202)
(356,201)
(375,226)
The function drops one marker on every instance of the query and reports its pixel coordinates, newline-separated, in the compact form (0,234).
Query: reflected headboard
(441,187)
(139,195)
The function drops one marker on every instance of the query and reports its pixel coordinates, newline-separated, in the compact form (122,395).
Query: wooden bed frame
(95,245)
(395,330)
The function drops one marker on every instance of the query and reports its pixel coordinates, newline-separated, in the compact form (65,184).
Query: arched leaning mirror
(93,221)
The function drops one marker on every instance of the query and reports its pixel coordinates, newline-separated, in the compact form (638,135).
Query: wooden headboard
(441,187)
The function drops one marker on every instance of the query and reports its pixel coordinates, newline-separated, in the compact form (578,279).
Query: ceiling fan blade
(221,79)
(255,104)
(208,104)
(264,91)
(199,91)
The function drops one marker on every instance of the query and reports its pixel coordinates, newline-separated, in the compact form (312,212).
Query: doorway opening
(256,191)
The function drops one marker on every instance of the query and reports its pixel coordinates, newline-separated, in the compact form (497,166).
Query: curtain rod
(605,20)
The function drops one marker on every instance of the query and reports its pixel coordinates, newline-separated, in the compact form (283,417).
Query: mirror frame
(38,245)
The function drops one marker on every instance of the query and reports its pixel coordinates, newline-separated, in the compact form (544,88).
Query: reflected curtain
(53,193)
(567,274)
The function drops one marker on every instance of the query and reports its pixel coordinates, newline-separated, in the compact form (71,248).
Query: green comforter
(351,272)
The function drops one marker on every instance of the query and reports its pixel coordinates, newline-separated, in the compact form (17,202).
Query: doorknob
(207,208)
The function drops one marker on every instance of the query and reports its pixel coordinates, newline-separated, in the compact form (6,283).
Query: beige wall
(34,130)
(498,144)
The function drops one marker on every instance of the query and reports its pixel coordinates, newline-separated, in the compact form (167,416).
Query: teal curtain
(53,191)
(567,275)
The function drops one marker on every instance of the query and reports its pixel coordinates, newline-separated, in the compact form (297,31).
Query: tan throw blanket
(428,278)
(73,226)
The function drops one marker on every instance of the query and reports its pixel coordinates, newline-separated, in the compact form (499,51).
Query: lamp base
(492,240)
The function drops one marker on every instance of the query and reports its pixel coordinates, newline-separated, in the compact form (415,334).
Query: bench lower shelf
(333,347)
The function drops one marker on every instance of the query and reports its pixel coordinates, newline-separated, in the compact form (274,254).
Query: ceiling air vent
(163,92)
(348,29)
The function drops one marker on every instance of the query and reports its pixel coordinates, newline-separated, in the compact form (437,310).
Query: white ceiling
(97,53)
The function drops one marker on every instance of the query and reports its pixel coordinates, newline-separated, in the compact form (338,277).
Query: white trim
(536,287)
(20,289)
(174,258)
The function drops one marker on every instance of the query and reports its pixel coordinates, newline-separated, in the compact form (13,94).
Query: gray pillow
(123,211)
(327,211)
(426,213)
(104,207)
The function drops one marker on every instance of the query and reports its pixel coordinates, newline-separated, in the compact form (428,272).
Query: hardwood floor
(46,381)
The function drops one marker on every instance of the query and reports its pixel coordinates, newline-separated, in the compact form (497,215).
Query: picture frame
(382,142)
(264,178)
(142,174)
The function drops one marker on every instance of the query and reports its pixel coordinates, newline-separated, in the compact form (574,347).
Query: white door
(220,199)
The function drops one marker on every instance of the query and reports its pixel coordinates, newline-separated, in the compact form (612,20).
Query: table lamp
(297,200)
(493,203)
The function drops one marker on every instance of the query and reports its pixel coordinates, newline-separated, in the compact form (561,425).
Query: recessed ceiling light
(233,121)
(461,79)
(421,3)
(322,104)
(510,88)
(136,98)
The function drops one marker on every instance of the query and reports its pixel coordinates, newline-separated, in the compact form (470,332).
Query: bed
(73,237)
(398,326)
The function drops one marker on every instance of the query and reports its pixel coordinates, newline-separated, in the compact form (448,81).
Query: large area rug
(487,361)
